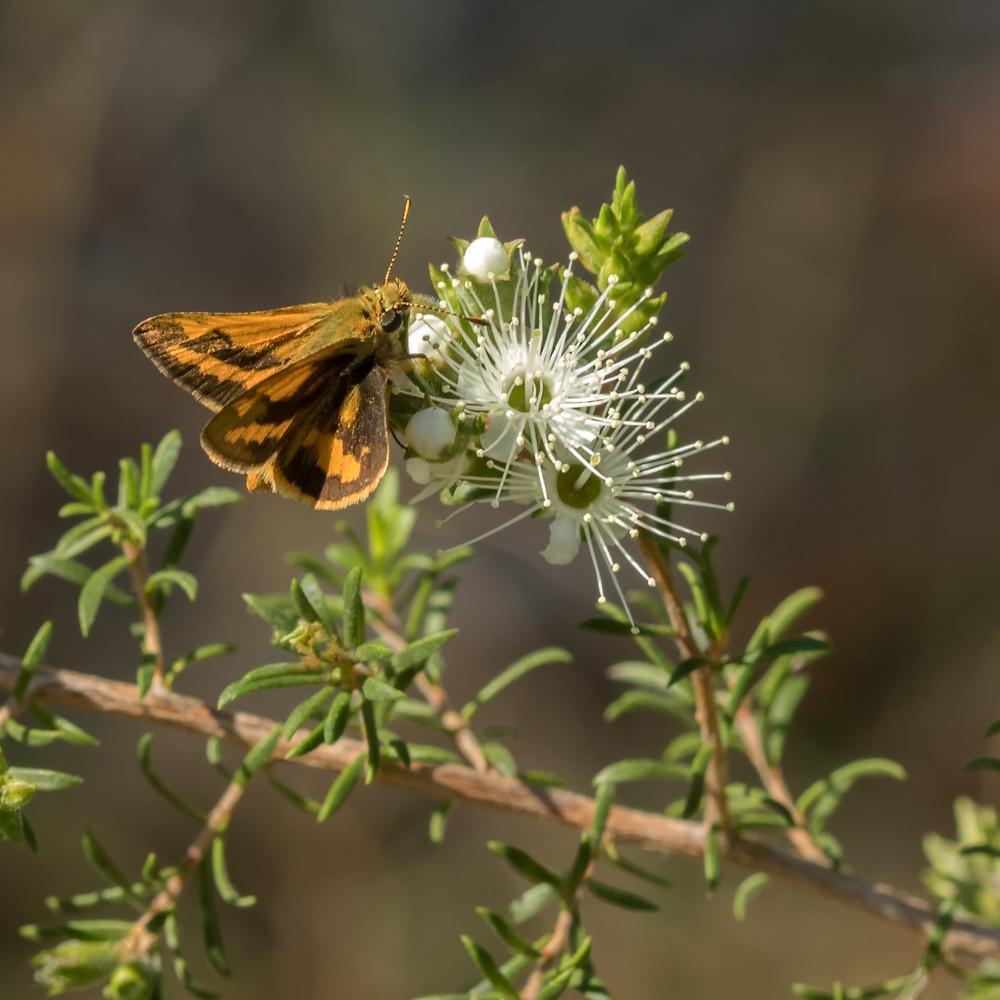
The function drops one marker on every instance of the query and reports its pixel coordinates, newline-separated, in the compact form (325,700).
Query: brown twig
(142,939)
(702,682)
(151,639)
(649,831)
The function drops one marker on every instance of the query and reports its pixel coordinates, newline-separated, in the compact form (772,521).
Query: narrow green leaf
(987,849)
(506,933)
(439,821)
(213,496)
(70,570)
(818,802)
(354,609)
(378,691)
(712,858)
(531,902)
(258,756)
(422,649)
(371,737)
(993,729)
(685,668)
(134,524)
(627,865)
(43,779)
(745,891)
(92,592)
(800,644)
(33,657)
(602,809)
(307,744)
(304,710)
(640,770)
(163,578)
(620,897)
(337,717)
(341,788)
(984,764)
(784,616)
(181,969)
(72,484)
(273,675)
(517,670)
(211,931)
(525,864)
(372,650)
(220,874)
(144,751)
(99,859)
(164,459)
(489,968)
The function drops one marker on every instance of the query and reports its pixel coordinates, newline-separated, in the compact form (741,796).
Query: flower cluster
(551,409)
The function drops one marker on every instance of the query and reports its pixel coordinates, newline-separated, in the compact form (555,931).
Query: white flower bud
(430,432)
(564,541)
(484,257)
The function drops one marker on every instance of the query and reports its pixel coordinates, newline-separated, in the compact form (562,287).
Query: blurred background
(838,164)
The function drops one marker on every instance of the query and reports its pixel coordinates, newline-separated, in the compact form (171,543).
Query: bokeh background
(838,164)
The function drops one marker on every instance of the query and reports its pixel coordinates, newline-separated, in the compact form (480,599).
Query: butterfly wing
(338,448)
(219,356)
(316,431)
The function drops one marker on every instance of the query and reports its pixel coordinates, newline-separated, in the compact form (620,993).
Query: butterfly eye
(390,320)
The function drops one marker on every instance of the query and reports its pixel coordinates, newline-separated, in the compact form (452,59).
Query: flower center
(528,393)
(578,487)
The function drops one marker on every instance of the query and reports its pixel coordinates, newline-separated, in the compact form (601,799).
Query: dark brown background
(838,164)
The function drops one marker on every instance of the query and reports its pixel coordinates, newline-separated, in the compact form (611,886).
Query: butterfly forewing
(218,356)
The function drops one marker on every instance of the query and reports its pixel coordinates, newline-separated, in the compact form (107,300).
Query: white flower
(568,417)
(485,258)
(430,432)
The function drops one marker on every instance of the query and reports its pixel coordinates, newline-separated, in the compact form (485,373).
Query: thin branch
(142,940)
(702,683)
(649,831)
(151,639)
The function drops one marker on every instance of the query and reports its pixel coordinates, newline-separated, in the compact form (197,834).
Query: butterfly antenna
(399,239)
(438,311)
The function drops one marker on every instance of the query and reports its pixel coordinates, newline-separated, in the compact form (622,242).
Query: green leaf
(525,864)
(337,717)
(993,729)
(641,769)
(93,590)
(507,676)
(66,569)
(354,609)
(341,787)
(164,459)
(620,897)
(128,483)
(784,616)
(531,902)
(313,593)
(800,644)
(369,651)
(987,849)
(83,536)
(371,737)
(439,821)
(602,809)
(99,859)
(258,756)
(211,931)
(378,691)
(220,874)
(273,675)
(984,764)
(712,858)
(43,779)
(144,751)
(421,650)
(745,891)
(181,969)
(818,802)
(163,578)
(32,658)
(627,865)
(506,933)
(134,525)
(489,968)
(686,668)
(610,626)
(214,496)
(72,484)
(305,710)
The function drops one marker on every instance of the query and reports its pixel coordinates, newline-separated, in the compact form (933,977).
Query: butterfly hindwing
(247,432)
(338,449)
(218,356)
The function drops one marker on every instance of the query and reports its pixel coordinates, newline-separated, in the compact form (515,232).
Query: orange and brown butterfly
(299,393)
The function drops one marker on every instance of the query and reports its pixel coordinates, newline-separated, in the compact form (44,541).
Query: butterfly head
(391,305)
